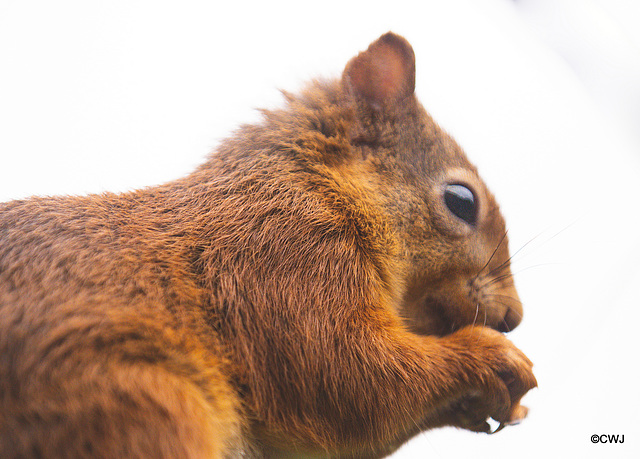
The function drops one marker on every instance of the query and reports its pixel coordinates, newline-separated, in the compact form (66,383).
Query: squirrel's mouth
(449,315)
(443,307)
(440,316)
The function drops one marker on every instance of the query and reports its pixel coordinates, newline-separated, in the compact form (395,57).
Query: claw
(518,413)
(493,428)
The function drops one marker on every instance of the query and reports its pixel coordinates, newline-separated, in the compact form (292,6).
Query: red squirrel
(330,282)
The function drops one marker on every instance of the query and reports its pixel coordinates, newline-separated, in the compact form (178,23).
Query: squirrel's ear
(385,72)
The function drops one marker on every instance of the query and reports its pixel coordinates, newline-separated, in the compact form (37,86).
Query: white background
(544,95)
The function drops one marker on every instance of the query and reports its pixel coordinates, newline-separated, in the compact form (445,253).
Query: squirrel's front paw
(472,412)
(499,375)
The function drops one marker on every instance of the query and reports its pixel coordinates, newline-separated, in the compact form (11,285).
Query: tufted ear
(384,73)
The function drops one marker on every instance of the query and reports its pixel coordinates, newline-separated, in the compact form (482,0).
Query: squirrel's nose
(513,315)
(511,319)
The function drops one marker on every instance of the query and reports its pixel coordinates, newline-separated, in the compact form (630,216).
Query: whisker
(502,277)
(501,267)
(543,243)
(497,279)
(494,252)
(508,260)
(498,269)
(538,265)
(503,297)
(562,230)
(476,316)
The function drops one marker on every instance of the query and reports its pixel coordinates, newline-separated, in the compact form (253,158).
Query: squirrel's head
(452,247)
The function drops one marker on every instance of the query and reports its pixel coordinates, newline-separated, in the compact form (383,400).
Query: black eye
(461,202)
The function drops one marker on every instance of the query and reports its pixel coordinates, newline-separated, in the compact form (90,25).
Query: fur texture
(305,291)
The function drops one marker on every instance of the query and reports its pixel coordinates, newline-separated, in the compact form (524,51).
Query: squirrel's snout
(511,318)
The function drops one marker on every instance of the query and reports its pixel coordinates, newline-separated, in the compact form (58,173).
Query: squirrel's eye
(461,202)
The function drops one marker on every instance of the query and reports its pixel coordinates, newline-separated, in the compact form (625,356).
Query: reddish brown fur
(303,291)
